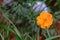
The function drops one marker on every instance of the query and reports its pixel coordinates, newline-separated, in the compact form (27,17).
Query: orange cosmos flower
(44,20)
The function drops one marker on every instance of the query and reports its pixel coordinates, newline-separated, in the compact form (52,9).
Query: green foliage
(21,20)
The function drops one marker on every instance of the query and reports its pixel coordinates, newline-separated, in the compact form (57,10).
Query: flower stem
(2,36)
(53,37)
(48,32)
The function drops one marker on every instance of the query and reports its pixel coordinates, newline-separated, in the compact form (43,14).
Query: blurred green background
(19,18)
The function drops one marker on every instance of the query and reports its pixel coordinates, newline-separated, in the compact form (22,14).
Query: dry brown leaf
(57,26)
(1,1)
(2,19)
(0,38)
(12,36)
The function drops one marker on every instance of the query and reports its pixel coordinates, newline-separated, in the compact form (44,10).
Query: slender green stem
(1,36)
(53,37)
(26,34)
(38,35)
(16,30)
(48,32)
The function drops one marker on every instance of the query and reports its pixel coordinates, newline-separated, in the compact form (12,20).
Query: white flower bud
(40,6)
(7,1)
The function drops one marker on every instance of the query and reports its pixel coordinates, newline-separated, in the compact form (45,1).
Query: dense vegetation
(18,20)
